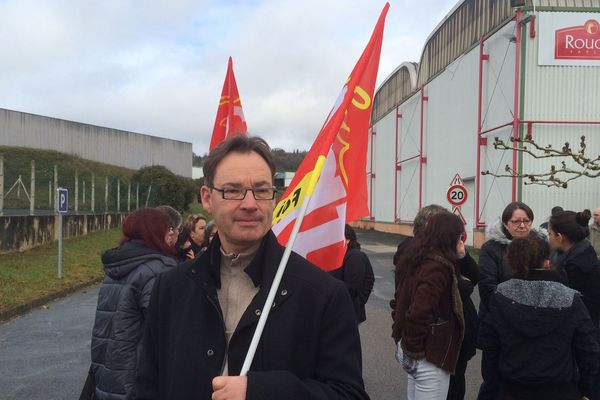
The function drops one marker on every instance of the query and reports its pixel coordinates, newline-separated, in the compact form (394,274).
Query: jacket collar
(205,272)
(497,233)
(207,267)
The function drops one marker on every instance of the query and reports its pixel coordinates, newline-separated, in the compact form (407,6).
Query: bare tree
(557,176)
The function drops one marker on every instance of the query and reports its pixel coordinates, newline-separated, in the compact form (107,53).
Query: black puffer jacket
(493,268)
(538,341)
(120,315)
(583,272)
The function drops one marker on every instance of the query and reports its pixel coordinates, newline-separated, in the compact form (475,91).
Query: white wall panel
(569,93)
(383,188)
(497,110)
(408,148)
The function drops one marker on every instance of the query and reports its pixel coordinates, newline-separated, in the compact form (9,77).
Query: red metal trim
(396,169)
(497,127)
(516,100)
(560,122)
(371,176)
(532,27)
(482,57)
(422,160)
(408,159)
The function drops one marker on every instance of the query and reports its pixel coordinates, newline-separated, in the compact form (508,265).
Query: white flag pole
(276,281)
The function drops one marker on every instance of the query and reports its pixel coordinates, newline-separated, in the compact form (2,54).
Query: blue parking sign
(63,200)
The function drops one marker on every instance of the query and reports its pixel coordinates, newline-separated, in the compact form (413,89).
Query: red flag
(230,116)
(333,173)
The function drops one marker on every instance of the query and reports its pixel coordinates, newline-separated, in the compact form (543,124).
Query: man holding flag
(202,316)
(209,315)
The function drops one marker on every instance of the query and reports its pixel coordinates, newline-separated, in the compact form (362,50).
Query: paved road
(45,354)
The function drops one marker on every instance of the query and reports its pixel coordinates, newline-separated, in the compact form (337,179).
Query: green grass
(33,274)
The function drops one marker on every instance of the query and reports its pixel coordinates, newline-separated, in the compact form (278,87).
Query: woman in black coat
(516,222)
(575,257)
(357,273)
(145,250)
(537,336)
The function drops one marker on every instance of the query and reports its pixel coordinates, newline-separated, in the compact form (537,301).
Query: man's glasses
(518,222)
(177,230)
(266,193)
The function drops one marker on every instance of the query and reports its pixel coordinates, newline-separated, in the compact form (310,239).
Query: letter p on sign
(63,200)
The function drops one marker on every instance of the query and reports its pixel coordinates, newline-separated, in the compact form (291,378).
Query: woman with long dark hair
(428,321)
(145,250)
(537,337)
(469,276)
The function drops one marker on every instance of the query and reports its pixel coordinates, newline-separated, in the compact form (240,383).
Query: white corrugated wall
(561,93)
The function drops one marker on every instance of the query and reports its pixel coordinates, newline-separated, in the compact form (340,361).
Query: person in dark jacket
(428,320)
(131,269)
(357,273)
(203,314)
(209,233)
(516,221)
(469,276)
(575,257)
(537,337)
(196,224)
(183,247)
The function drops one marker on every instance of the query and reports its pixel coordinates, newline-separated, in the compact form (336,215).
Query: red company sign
(578,42)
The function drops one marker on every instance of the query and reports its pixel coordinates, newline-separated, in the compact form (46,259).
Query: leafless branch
(556,177)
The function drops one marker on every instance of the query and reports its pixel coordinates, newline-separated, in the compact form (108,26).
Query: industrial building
(106,145)
(491,69)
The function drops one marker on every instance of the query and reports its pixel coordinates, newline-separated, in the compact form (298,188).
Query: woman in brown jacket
(429,323)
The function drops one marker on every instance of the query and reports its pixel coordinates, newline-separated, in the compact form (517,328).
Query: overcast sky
(157,66)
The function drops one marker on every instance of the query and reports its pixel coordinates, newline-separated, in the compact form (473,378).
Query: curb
(21,309)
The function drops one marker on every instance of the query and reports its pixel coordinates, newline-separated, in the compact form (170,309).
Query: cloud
(157,67)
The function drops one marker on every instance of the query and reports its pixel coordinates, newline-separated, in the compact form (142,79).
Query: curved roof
(400,84)
(459,31)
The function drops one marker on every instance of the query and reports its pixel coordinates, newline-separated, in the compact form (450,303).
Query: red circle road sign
(457,195)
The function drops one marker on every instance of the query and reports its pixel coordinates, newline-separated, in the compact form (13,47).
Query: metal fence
(29,188)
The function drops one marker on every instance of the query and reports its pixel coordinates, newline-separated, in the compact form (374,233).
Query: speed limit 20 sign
(457,195)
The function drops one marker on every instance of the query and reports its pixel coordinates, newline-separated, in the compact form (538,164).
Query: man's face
(197,235)
(241,223)
(597,216)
